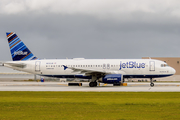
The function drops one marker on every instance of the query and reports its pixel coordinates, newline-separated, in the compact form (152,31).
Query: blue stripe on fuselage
(124,76)
(146,76)
(69,76)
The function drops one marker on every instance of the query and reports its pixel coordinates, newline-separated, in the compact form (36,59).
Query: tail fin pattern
(18,49)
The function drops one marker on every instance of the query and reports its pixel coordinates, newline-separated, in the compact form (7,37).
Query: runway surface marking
(136,85)
(58,86)
(63,84)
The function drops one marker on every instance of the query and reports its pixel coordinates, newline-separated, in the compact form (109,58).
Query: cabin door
(37,66)
(152,66)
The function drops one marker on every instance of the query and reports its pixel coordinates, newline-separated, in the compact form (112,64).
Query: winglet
(65,67)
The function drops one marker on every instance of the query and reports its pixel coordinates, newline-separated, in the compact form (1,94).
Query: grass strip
(90,105)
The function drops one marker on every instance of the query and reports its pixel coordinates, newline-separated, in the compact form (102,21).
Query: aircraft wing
(92,71)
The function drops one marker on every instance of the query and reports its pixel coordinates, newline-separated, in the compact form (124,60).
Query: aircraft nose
(173,71)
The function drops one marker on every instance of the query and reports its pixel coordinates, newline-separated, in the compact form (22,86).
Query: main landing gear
(151,84)
(93,84)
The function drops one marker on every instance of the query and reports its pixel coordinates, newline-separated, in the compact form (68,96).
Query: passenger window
(108,66)
(164,65)
(104,66)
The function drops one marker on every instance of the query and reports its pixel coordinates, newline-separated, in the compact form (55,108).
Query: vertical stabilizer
(18,49)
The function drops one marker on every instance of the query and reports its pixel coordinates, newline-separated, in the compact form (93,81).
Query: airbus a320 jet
(110,71)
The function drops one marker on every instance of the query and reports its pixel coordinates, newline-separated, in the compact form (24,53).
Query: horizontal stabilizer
(20,65)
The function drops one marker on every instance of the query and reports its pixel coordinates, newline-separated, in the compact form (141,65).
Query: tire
(152,84)
(95,84)
(91,84)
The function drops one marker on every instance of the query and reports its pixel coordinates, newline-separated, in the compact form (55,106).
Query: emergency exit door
(37,66)
(152,66)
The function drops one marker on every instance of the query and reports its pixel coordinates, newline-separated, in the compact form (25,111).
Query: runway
(59,86)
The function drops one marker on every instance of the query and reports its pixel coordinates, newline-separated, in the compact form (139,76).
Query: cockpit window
(164,65)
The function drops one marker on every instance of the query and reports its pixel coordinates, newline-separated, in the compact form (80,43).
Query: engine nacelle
(112,79)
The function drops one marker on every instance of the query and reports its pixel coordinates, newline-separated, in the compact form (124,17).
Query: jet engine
(112,79)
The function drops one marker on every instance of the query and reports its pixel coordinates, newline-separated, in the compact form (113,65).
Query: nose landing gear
(151,82)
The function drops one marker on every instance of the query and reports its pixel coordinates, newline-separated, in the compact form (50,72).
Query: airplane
(110,71)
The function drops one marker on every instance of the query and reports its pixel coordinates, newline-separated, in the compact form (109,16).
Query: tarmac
(63,86)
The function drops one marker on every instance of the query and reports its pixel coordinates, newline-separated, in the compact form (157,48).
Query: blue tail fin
(18,49)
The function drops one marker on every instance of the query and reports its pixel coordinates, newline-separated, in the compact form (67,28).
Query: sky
(92,29)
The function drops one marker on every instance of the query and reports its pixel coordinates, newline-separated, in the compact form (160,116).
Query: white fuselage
(129,68)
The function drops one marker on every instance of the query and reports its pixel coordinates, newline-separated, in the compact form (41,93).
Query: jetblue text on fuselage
(131,64)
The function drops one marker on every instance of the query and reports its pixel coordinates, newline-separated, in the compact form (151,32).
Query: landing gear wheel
(152,84)
(93,84)
(123,80)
